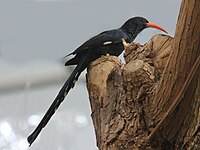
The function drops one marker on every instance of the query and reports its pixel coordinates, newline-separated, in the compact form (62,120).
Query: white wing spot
(107,42)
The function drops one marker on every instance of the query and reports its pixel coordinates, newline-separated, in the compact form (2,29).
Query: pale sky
(49,29)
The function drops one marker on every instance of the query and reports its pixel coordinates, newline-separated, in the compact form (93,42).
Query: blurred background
(35,35)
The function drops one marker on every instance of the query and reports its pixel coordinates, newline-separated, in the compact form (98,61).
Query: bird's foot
(125,43)
(107,55)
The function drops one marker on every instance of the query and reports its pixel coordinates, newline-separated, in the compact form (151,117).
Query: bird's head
(135,25)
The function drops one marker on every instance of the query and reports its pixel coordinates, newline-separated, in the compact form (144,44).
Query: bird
(106,43)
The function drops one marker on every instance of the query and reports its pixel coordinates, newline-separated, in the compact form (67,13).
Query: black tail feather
(69,54)
(56,103)
(72,61)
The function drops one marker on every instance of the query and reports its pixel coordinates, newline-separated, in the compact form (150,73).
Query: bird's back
(107,42)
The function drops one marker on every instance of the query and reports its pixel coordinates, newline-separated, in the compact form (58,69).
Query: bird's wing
(103,39)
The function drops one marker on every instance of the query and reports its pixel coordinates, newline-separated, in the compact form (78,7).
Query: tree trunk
(153,100)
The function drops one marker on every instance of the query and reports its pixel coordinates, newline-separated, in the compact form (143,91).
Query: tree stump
(152,101)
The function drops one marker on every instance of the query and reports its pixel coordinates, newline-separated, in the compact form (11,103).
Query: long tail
(56,103)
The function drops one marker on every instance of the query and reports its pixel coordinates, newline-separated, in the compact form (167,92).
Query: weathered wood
(117,92)
(176,93)
(153,100)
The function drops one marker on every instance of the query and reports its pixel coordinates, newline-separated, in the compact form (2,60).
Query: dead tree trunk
(152,101)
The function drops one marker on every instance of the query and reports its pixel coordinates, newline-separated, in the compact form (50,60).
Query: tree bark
(153,100)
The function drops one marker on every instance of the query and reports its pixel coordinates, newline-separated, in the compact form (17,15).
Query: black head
(135,25)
